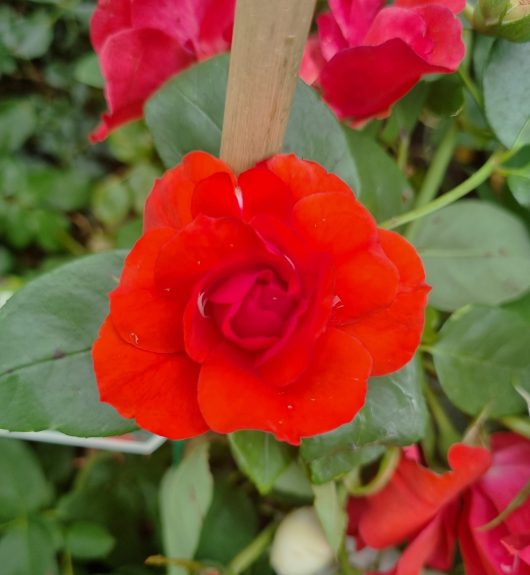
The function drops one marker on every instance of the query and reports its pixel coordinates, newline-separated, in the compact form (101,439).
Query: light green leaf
(26,36)
(474,252)
(46,334)
(23,487)
(87,71)
(185,496)
(506,89)
(331,513)
(260,457)
(481,356)
(111,201)
(199,95)
(28,549)
(88,540)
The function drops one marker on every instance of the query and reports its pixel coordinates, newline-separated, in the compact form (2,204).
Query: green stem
(514,504)
(245,558)
(403,152)
(450,197)
(346,568)
(383,476)
(448,433)
(471,87)
(436,172)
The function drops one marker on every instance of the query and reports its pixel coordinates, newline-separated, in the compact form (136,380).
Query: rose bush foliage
(258,302)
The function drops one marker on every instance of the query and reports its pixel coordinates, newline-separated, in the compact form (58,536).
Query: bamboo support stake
(269,38)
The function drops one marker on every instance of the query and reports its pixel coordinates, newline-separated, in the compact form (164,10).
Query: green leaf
(481,356)
(331,513)
(519,178)
(260,457)
(199,95)
(446,96)
(26,36)
(28,549)
(185,496)
(474,252)
(46,334)
(230,524)
(394,414)
(131,143)
(87,71)
(56,189)
(111,201)
(88,540)
(23,488)
(381,185)
(140,180)
(506,89)
(294,484)
(17,124)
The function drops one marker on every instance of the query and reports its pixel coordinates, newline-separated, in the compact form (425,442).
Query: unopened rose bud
(509,19)
(300,546)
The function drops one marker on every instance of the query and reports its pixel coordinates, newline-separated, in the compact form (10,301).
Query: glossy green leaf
(506,89)
(481,356)
(331,513)
(23,487)
(46,334)
(474,252)
(260,457)
(381,185)
(88,540)
(294,484)
(230,524)
(27,549)
(199,94)
(519,177)
(185,497)
(394,414)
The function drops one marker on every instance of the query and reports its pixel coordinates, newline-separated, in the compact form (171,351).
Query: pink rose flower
(367,56)
(142,43)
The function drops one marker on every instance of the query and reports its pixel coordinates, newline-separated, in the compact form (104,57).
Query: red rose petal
(329,394)
(392,334)
(334,223)
(354,18)
(445,31)
(365,81)
(366,281)
(416,494)
(159,391)
(202,246)
(156,54)
(305,178)
(455,6)
(109,18)
(264,193)
(215,197)
(169,203)
(144,315)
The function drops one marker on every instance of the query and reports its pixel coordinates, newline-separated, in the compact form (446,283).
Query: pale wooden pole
(269,38)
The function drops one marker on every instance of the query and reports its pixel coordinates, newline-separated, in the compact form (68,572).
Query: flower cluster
(258,302)
(434,511)
(366,55)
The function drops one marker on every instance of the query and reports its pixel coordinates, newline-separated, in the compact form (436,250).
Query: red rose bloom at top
(367,56)
(142,43)
(259,302)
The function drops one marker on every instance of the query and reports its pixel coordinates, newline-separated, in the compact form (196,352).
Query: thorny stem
(456,193)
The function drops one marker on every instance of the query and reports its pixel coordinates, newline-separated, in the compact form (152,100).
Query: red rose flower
(142,43)
(259,302)
(368,55)
(435,511)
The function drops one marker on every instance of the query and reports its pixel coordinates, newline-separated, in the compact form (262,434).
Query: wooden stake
(269,38)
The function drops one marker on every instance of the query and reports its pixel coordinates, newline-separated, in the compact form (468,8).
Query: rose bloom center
(252,308)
